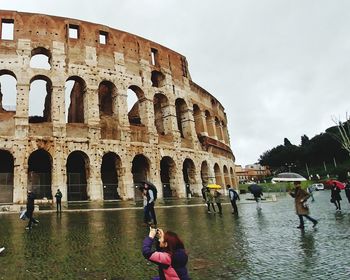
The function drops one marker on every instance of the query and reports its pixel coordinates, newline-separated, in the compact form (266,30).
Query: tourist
(217,199)
(170,255)
(347,190)
(233,196)
(149,208)
(209,200)
(30,209)
(335,196)
(58,196)
(302,210)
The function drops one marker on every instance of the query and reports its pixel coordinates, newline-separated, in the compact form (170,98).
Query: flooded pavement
(255,245)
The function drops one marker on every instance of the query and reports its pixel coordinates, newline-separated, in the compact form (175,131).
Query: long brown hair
(173,241)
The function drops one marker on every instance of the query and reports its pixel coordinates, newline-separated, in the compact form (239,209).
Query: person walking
(30,209)
(150,199)
(347,190)
(233,196)
(335,197)
(217,199)
(170,255)
(300,197)
(58,197)
(209,200)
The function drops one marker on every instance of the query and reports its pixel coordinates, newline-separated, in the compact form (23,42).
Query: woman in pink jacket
(170,255)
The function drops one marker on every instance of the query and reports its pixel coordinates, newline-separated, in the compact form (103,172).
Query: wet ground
(255,245)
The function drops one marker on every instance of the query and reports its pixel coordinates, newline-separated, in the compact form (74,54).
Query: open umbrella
(255,189)
(150,184)
(339,185)
(214,186)
(288,177)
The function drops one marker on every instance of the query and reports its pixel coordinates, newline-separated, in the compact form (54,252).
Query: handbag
(22,214)
(332,200)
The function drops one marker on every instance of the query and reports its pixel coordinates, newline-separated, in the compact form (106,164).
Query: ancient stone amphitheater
(66,120)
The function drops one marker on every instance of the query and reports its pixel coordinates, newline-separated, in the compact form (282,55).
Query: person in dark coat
(170,254)
(30,209)
(335,196)
(58,196)
(218,200)
(149,208)
(347,190)
(300,198)
(233,196)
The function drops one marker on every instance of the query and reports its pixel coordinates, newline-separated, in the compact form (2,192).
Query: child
(170,254)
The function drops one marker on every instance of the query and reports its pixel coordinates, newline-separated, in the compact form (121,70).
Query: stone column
(95,187)
(20,180)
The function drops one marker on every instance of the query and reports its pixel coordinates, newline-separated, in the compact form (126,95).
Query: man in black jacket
(30,209)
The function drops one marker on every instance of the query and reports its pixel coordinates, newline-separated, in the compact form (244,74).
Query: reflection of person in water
(307,244)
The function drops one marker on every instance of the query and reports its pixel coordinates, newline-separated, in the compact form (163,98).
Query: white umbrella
(288,177)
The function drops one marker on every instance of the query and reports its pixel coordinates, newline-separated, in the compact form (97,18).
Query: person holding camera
(170,254)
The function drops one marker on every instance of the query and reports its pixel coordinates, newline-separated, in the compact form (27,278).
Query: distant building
(251,173)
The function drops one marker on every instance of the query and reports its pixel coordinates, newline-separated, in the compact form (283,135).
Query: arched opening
(106,98)
(218,175)
(109,174)
(157,79)
(40,100)
(6,177)
(140,172)
(40,58)
(189,175)
(210,123)
(226,177)
(205,173)
(182,117)
(167,176)
(8,91)
(197,116)
(218,129)
(39,174)
(75,99)
(160,105)
(135,105)
(77,173)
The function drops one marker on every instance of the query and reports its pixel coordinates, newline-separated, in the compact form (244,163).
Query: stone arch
(218,175)
(6,176)
(39,173)
(138,109)
(140,172)
(40,58)
(8,91)
(189,174)
(205,173)
(182,118)
(161,112)
(157,78)
(168,176)
(110,175)
(77,100)
(78,172)
(107,93)
(226,177)
(38,85)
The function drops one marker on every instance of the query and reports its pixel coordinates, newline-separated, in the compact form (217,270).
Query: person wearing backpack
(151,196)
(233,195)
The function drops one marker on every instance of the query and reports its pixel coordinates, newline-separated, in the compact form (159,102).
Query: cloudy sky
(281,68)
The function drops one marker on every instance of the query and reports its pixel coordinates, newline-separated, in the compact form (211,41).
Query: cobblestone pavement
(255,245)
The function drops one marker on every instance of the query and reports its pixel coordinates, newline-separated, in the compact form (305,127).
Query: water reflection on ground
(256,245)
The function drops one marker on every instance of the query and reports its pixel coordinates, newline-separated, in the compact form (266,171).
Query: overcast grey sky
(281,68)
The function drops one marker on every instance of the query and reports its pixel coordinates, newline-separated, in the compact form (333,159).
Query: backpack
(235,196)
(154,190)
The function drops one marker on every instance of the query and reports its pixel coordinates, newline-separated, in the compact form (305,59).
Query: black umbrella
(148,183)
(255,189)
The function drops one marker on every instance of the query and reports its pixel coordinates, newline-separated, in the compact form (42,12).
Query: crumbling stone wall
(173,117)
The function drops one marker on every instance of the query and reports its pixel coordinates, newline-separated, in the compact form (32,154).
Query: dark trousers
(234,207)
(212,205)
(149,213)
(307,217)
(219,207)
(337,204)
(29,214)
(58,205)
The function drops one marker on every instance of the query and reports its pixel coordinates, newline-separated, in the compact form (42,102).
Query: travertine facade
(86,142)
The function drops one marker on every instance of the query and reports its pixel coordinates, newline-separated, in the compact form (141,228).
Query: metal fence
(6,187)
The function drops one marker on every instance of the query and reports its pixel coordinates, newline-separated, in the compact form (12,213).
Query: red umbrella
(339,185)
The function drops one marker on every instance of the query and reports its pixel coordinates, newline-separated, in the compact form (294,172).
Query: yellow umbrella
(214,186)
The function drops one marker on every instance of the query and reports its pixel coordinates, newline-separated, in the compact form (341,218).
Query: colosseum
(94,111)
